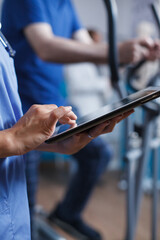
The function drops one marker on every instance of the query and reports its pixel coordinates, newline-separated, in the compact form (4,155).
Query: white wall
(93,14)
(130,13)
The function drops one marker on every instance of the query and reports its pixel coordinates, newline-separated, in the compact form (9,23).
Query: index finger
(60,112)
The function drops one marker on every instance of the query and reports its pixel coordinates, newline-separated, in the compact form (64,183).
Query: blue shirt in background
(14,213)
(39,81)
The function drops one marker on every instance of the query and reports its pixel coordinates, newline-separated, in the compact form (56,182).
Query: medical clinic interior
(80,101)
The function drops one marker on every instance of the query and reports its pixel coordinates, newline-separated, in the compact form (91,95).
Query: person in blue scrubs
(20,134)
(41,32)
(14,212)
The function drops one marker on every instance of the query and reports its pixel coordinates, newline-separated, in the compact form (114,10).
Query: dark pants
(92,161)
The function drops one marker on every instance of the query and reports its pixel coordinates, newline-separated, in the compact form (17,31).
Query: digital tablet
(105,113)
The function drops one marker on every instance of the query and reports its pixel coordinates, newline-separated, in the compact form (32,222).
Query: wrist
(7,143)
(103,51)
(121,53)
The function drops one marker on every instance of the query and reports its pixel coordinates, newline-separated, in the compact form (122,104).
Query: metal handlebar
(112,39)
(156,16)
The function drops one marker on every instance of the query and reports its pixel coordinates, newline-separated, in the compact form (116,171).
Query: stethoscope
(6,44)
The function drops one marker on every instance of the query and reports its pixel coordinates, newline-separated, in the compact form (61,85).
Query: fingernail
(69,107)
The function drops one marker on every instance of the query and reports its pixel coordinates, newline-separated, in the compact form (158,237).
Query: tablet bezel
(122,109)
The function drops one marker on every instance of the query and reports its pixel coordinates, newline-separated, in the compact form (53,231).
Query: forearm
(52,48)
(61,50)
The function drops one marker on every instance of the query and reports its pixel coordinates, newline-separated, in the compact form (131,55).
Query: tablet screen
(106,112)
(111,107)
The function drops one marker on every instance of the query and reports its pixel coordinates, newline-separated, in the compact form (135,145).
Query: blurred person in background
(45,35)
(88,86)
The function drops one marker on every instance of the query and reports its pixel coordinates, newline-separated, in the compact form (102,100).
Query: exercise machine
(137,148)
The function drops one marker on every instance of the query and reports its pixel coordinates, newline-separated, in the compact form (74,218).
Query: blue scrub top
(14,212)
(39,81)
